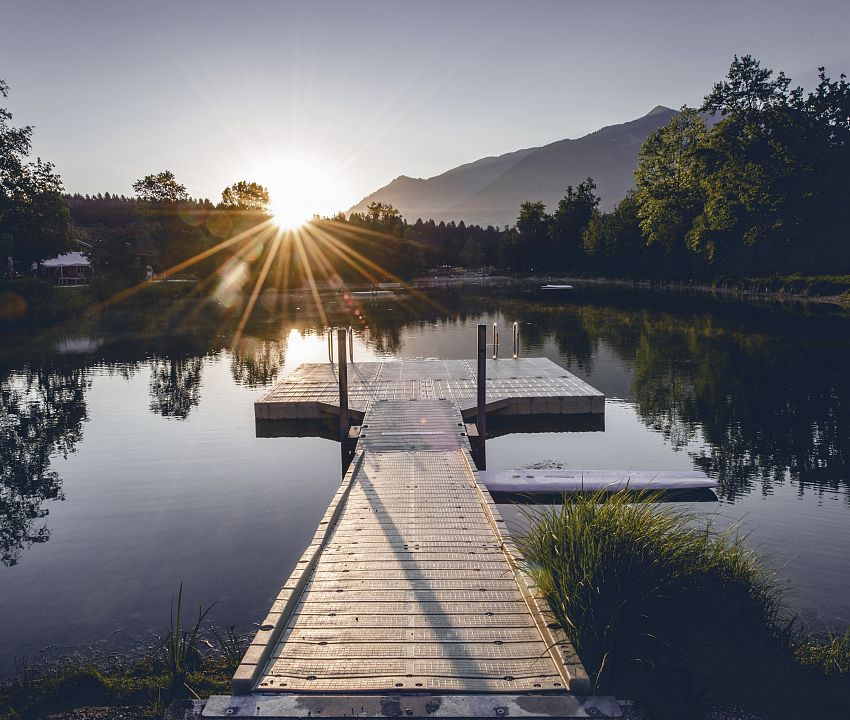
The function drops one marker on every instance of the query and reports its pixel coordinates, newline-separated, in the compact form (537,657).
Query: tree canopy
(244,195)
(34,220)
(160,188)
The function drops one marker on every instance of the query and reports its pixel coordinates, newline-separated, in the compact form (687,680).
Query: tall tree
(669,179)
(34,219)
(160,188)
(529,249)
(569,222)
(753,167)
(614,240)
(244,195)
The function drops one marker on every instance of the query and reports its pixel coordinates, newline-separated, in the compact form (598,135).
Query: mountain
(489,191)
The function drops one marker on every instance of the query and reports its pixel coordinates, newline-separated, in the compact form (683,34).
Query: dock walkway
(411,584)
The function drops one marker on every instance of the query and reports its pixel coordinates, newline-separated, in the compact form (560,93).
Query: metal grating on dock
(519,386)
(410,584)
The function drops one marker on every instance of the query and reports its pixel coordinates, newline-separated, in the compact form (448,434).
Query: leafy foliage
(34,220)
(665,609)
(160,187)
(244,195)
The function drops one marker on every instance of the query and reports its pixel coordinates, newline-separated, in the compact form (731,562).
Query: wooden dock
(411,586)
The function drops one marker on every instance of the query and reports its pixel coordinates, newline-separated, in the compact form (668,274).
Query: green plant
(182,655)
(229,646)
(830,656)
(651,598)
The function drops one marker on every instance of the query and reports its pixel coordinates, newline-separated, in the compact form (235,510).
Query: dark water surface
(129,461)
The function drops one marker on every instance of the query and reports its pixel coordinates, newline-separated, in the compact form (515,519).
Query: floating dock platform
(518,386)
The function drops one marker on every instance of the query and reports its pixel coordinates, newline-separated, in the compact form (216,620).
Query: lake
(129,461)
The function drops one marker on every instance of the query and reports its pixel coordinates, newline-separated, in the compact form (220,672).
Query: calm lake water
(129,461)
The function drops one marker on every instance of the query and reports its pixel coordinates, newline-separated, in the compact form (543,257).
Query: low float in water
(537,485)
(556,287)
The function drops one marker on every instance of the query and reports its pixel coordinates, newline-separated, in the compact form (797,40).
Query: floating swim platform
(556,482)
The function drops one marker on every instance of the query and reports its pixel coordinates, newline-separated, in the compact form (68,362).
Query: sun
(301,187)
(288,218)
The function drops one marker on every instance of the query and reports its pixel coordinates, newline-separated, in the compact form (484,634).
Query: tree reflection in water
(175,386)
(765,391)
(257,362)
(43,411)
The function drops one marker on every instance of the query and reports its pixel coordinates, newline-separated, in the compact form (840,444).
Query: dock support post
(481,417)
(342,368)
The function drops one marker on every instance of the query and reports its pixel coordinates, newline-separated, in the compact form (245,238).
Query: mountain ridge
(489,190)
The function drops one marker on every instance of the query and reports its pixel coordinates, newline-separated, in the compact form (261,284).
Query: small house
(72,268)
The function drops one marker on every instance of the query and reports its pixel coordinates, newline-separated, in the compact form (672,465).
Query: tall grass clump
(182,654)
(829,656)
(654,600)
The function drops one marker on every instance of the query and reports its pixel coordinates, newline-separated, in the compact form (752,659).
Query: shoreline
(726,291)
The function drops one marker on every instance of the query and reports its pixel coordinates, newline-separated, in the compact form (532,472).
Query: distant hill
(490,190)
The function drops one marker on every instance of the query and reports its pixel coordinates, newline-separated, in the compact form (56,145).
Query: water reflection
(43,411)
(256,362)
(175,386)
(765,393)
(762,394)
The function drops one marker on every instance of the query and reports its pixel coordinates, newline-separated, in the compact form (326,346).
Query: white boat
(556,287)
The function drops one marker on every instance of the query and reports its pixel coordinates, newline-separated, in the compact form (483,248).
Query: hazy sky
(348,95)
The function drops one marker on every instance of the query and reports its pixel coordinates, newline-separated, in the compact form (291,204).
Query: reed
(651,598)
(182,654)
(829,655)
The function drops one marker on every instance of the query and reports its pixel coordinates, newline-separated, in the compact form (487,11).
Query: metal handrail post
(342,370)
(481,408)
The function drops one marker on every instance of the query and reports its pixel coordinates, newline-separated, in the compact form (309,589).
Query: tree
(614,239)
(160,188)
(747,91)
(532,224)
(569,222)
(669,179)
(34,219)
(244,195)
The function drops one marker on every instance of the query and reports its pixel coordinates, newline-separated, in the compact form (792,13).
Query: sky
(324,102)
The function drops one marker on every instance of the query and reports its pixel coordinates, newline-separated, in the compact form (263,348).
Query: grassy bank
(29,301)
(667,610)
(834,289)
(193,661)
(144,684)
